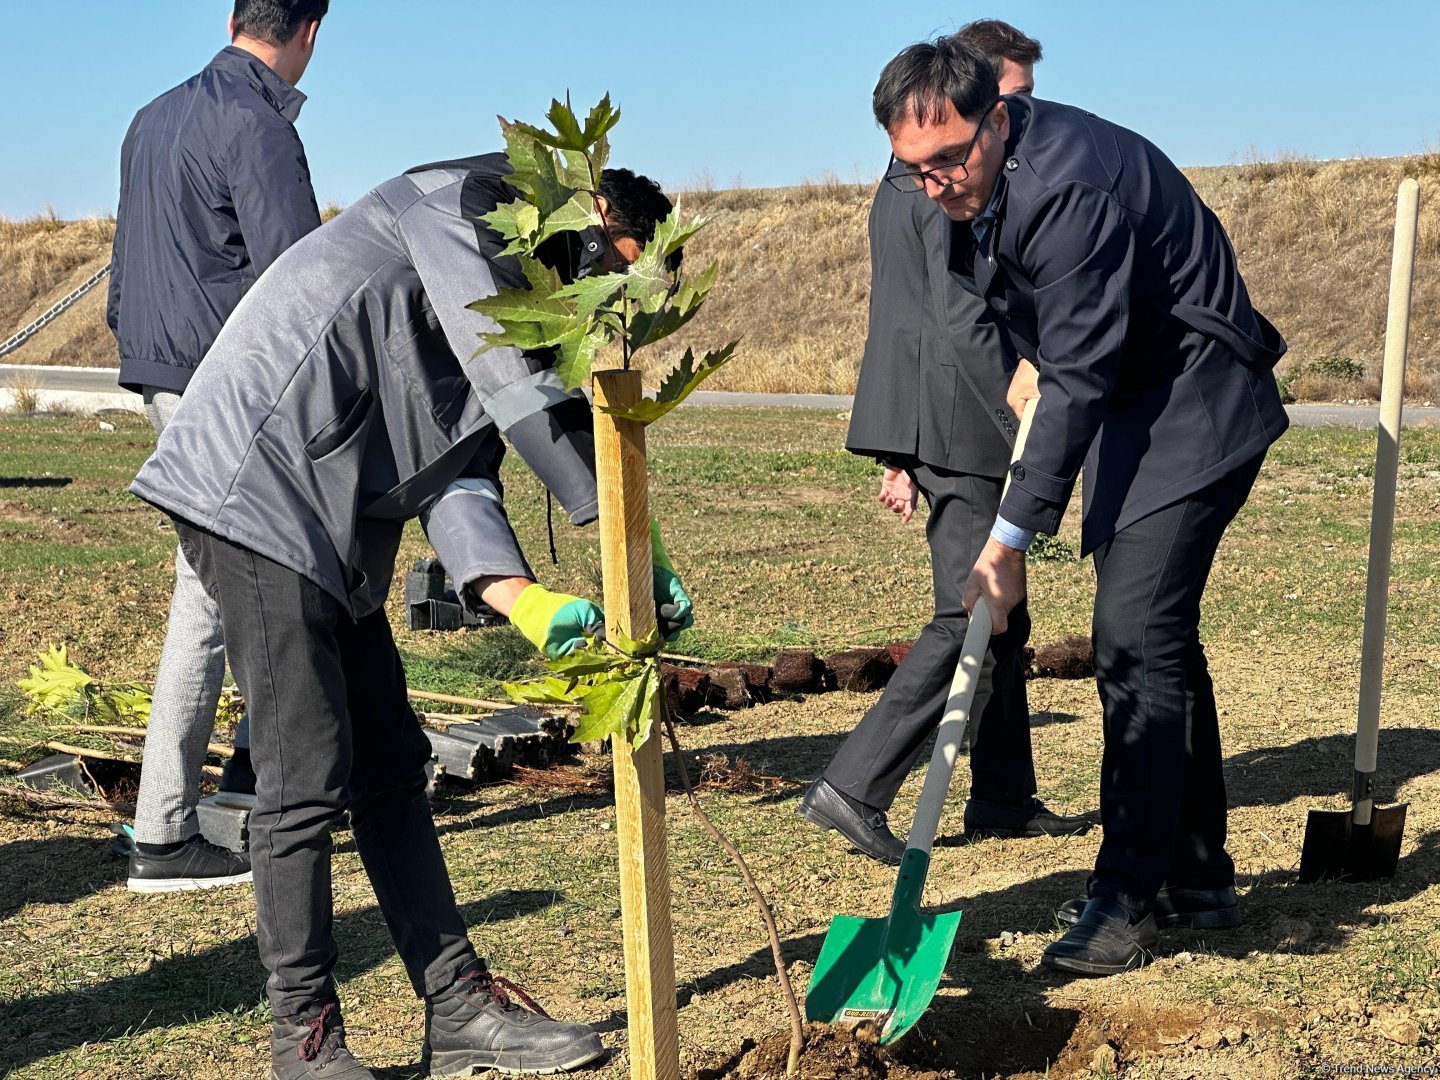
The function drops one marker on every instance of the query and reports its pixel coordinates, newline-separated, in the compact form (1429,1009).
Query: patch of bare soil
(832,1053)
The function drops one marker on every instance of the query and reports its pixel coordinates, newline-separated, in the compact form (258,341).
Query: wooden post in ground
(639,774)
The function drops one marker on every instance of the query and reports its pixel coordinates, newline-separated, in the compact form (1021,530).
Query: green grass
(778,536)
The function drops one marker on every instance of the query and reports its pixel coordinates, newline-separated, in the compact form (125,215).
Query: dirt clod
(861,670)
(686,689)
(1210,1039)
(1399,1027)
(899,651)
(797,671)
(1291,934)
(1069,658)
(729,688)
(1105,1060)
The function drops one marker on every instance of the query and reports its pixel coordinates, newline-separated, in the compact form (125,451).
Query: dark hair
(276,21)
(924,76)
(637,205)
(999,41)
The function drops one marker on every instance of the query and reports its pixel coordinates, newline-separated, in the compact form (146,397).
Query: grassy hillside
(1313,239)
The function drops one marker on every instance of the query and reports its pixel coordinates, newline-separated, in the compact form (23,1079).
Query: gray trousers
(187,688)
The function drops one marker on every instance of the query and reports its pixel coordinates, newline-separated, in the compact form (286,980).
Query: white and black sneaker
(191,864)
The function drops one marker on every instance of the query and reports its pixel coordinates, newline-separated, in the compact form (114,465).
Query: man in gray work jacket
(343,398)
(1155,372)
(930,405)
(213,187)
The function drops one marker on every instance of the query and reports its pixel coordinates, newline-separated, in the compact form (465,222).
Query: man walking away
(213,187)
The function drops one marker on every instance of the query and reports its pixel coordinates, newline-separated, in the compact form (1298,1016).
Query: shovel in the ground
(883,973)
(1363,843)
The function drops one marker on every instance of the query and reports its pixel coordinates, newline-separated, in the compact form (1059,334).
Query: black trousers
(330,729)
(1162,784)
(874,761)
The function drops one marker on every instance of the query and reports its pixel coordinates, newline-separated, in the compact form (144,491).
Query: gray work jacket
(344,397)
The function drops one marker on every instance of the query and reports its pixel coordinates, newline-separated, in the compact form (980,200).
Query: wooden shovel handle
(951,732)
(1382,514)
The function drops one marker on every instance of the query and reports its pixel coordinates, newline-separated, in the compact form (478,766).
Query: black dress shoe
(984,820)
(1105,941)
(863,826)
(1194,909)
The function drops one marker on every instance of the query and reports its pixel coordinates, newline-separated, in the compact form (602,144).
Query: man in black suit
(930,406)
(1154,372)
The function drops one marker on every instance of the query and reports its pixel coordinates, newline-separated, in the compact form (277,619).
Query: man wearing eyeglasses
(1155,372)
(930,406)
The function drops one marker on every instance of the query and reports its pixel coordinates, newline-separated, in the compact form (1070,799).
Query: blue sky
(737,92)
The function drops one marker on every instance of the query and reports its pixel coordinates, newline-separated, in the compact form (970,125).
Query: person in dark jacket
(1155,372)
(213,187)
(344,397)
(930,406)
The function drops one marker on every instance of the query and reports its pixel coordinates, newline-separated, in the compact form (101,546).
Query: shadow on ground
(225,979)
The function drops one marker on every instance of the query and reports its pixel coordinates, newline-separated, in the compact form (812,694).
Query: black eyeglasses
(911,179)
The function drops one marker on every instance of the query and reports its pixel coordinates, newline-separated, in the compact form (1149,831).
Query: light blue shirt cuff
(1011,536)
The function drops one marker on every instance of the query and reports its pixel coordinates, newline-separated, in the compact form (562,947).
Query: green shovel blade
(883,972)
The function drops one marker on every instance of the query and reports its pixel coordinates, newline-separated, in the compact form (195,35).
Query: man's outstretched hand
(999,576)
(897,493)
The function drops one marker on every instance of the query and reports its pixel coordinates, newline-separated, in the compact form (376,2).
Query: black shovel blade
(1335,847)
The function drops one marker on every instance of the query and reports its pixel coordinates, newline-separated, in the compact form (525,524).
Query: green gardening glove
(555,623)
(673,610)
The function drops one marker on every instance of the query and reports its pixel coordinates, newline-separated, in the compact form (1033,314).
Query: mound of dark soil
(832,1053)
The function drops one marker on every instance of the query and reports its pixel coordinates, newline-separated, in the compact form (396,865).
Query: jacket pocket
(349,417)
(420,355)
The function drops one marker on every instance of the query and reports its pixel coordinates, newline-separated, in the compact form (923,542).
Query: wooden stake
(626,564)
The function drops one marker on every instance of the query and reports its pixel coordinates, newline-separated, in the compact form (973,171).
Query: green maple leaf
(591,293)
(649,275)
(580,172)
(647,646)
(598,717)
(548,690)
(626,709)
(679,384)
(535,170)
(601,119)
(577,351)
(529,318)
(589,659)
(579,213)
(568,134)
(516,220)
(647,327)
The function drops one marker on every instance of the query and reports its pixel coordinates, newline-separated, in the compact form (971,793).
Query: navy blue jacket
(1112,275)
(213,187)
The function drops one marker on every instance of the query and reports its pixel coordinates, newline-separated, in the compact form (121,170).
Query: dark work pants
(883,748)
(330,729)
(1162,784)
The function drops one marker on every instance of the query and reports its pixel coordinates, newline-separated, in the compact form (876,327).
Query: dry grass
(24,395)
(1313,239)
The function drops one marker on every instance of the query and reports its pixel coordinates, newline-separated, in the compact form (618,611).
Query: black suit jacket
(1155,371)
(936,366)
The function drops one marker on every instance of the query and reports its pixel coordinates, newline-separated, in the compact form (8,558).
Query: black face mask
(575,255)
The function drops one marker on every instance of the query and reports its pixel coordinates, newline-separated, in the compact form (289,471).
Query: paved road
(89,389)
